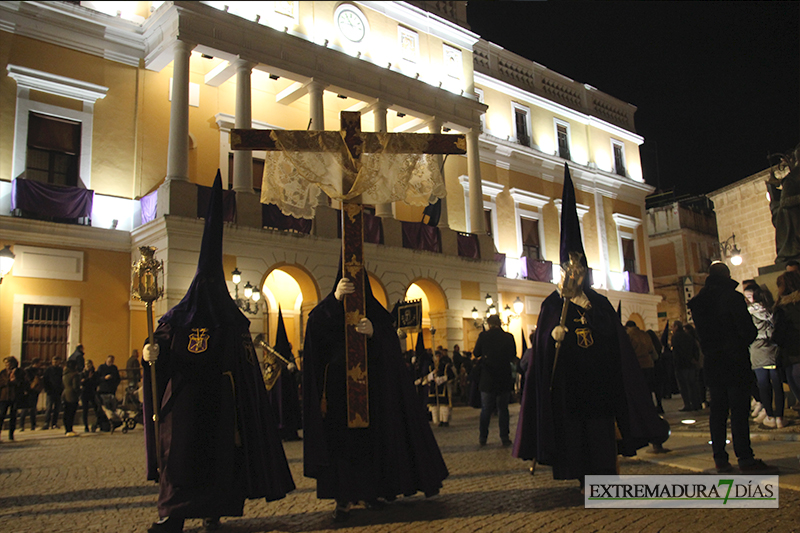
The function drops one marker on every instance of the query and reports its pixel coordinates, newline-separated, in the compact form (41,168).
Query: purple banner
(501,258)
(228,203)
(420,236)
(272,217)
(468,245)
(638,283)
(149,206)
(539,270)
(51,200)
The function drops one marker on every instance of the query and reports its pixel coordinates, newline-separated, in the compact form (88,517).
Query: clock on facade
(351,22)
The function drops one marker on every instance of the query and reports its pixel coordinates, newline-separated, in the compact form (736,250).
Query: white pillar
(178,150)
(243,159)
(477,220)
(379,110)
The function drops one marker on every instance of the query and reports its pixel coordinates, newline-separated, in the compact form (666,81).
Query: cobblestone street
(96,482)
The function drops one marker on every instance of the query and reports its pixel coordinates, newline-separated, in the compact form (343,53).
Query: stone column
(243,159)
(436,127)
(316,106)
(477,220)
(178,150)
(381,124)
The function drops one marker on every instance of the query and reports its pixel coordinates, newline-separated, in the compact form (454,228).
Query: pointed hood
(619,310)
(208,303)
(524,344)
(570,223)
(282,345)
(665,335)
(419,349)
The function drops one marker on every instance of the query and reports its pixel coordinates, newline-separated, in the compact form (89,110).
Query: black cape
(397,454)
(284,395)
(219,443)
(622,393)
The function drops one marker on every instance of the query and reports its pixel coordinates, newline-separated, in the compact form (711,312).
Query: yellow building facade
(146,93)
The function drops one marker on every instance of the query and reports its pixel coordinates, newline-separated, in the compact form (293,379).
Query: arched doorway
(296,292)
(434,313)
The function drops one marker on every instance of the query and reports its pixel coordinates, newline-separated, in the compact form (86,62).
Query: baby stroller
(131,411)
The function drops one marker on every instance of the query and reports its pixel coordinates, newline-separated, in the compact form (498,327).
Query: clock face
(351,24)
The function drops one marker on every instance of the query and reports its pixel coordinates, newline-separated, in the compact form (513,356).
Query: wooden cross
(357,143)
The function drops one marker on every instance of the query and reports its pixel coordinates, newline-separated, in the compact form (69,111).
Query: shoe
(21,429)
(757,465)
(769,422)
(761,416)
(115,425)
(506,443)
(70,434)
(445,424)
(658,448)
(441,424)
(211,524)
(724,468)
(781,422)
(757,408)
(166,525)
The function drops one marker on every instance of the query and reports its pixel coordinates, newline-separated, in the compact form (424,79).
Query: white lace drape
(311,160)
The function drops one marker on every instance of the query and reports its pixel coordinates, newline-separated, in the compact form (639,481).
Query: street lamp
(492,310)
(6,261)
(729,250)
(251,294)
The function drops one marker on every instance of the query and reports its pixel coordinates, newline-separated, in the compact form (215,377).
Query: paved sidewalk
(96,483)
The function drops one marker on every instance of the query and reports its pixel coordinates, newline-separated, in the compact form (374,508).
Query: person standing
(397,453)
(89,382)
(726,331)
(497,352)
(108,380)
(645,352)
(72,388)
(684,353)
(787,328)
(133,370)
(53,387)
(218,443)
(764,359)
(440,395)
(12,385)
(658,370)
(79,357)
(584,385)
(33,376)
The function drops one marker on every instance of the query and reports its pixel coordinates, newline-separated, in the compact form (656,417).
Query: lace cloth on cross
(311,160)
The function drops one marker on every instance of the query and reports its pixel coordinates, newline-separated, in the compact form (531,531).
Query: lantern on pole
(147,285)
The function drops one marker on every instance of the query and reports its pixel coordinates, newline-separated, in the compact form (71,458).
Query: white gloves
(345,286)
(414,360)
(558,333)
(440,379)
(581,300)
(150,352)
(418,382)
(365,326)
(291,367)
(431,376)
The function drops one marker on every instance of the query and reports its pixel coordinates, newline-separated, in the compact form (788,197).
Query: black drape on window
(54,134)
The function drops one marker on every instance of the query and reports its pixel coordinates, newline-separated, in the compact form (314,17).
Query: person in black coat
(497,352)
(726,331)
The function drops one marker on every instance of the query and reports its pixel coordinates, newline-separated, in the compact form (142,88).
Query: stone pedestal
(248,210)
(177,198)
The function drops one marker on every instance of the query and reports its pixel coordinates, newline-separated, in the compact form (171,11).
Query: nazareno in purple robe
(632,408)
(397,454)
(219,442)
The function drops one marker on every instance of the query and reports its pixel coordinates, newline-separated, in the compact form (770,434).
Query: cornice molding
(28,78)
(529,198)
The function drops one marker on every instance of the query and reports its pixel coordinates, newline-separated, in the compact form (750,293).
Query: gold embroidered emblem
(198,340)
(584,337)
(249,350)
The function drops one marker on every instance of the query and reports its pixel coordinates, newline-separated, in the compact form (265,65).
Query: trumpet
(274,362)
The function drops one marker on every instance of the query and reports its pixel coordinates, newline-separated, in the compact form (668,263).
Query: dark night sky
(717,84)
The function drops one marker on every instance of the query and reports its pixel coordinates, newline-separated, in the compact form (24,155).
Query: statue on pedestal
(784,193)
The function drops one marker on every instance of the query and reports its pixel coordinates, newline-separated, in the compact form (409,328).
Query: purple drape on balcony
(149,205)
(501,258)
(419,236)
(272,217)
(539,270)
(638,283)
(51,200)
(228,203)
(468,245)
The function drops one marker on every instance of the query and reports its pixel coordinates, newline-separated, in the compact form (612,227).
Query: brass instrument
(274,363)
